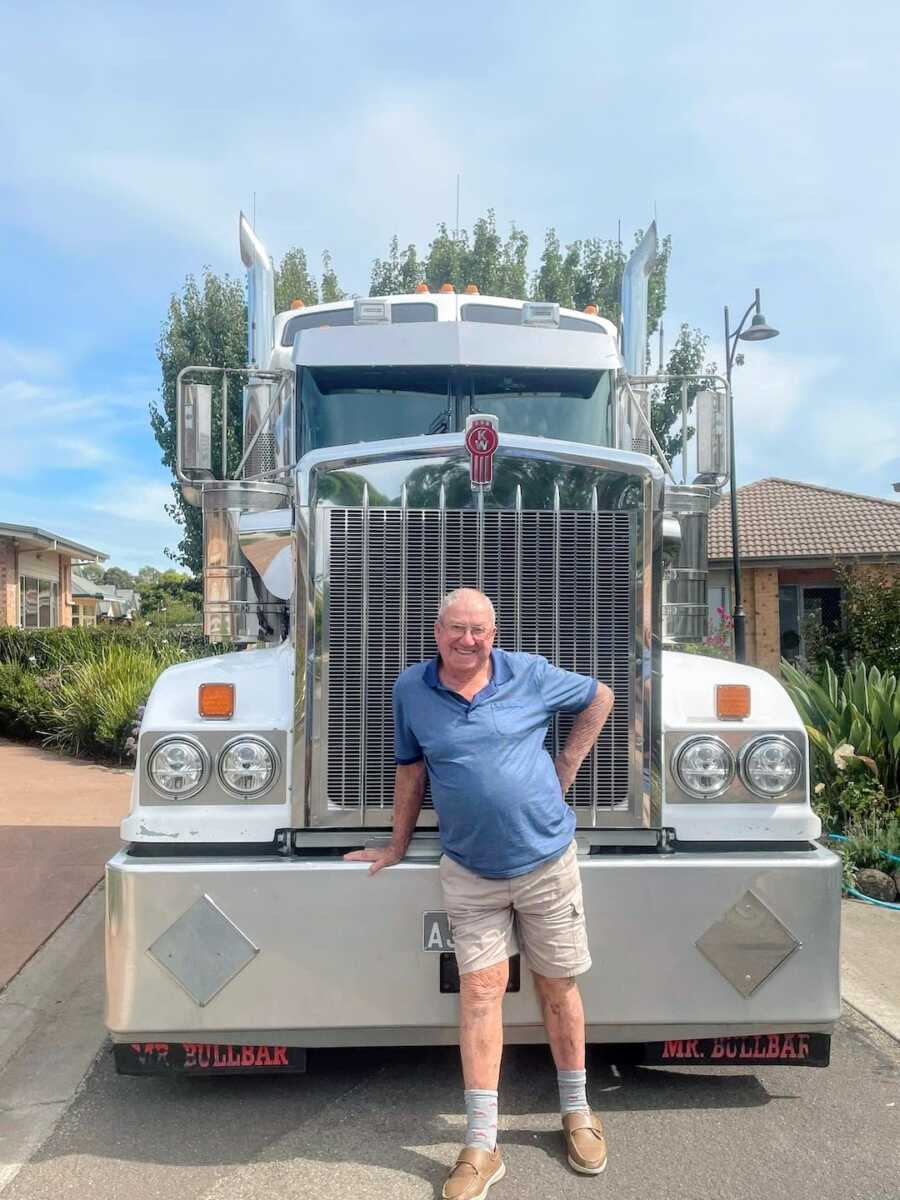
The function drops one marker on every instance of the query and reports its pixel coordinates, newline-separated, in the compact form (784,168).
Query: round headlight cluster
(704,766)
(247,766)
(178,767)
(770,766)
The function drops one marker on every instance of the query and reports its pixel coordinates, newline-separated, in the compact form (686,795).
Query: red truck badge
(482,440)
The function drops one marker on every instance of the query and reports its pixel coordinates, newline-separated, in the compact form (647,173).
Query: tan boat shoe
(473,1173)
(585,1142)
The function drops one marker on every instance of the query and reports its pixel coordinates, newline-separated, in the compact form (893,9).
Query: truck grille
(562,583)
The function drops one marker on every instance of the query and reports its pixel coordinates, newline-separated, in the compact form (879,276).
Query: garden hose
(839,837)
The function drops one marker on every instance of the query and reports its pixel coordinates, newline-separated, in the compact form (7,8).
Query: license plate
(206,1058)
(436,935)
(752,1050)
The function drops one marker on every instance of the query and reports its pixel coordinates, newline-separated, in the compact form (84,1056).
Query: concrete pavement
(59,823)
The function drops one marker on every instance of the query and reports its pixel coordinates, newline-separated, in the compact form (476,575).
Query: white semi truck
(395,448)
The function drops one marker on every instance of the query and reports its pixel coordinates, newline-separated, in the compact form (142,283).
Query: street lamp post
(759,331)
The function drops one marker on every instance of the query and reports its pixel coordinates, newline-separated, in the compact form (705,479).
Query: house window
(796,606)
(82,614)
(38,603)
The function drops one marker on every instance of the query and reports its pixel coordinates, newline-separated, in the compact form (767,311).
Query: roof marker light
(447,288)
(592,310)
(422,287)
(732,701)
(216,700)
(472,290)
(298,303)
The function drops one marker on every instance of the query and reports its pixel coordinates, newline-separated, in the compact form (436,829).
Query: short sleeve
(564,691)
(406,745)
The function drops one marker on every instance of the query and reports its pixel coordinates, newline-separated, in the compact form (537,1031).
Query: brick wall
(763,624)
(9,583)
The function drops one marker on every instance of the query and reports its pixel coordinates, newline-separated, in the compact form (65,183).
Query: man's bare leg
(481,1025)
(563,1015)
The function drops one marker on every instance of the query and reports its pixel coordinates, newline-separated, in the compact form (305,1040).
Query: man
(474,720)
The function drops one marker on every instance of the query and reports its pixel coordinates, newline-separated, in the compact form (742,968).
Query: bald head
(468,597)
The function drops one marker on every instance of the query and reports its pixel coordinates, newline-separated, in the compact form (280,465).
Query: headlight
(704,766)
(247,766)
(770,766)
(178,767)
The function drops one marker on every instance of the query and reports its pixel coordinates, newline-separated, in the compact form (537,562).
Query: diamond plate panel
(203,950)
(747,944)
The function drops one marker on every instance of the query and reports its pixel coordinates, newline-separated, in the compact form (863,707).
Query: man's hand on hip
(388,857)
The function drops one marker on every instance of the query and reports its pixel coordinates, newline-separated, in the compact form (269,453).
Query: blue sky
(765,138)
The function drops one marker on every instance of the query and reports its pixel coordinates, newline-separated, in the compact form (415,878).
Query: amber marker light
(298,304)
(446,288)
(592,310)
(732,701)
(472,290)
(216,700)
(421,287)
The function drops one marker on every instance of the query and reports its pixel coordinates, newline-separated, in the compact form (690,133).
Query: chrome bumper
(315,952)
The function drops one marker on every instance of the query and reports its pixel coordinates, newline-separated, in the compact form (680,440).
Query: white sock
(572,1091)
(481,1118)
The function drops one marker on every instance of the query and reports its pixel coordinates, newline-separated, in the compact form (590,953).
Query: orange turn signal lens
(732,701)
(421,287)
(447,287)
(302,304)
(592,311)
(472,290)
(216,700)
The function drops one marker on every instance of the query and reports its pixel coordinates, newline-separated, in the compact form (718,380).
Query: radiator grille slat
(563,586)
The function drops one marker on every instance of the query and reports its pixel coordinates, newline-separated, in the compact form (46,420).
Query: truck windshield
(573,406)
(340,406)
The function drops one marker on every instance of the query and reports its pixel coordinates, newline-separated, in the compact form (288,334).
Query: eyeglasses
(477,631)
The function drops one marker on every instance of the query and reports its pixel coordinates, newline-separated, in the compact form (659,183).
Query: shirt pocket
(513,720)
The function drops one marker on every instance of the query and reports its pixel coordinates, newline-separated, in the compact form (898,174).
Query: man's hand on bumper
(388,857)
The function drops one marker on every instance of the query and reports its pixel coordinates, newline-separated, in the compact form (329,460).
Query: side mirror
(711,416)
(196,430)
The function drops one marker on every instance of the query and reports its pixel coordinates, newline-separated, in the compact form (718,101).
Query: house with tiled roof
(791,535)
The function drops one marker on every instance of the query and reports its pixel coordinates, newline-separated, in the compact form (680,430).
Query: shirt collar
(501,671)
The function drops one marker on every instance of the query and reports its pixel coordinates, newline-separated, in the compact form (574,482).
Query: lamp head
(759,330)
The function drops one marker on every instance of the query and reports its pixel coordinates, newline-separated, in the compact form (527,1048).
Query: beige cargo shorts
(543,909)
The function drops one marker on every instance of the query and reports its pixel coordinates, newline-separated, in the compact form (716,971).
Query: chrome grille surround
(371,573)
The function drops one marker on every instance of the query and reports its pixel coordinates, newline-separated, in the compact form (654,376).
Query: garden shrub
(79,689)
(852,722)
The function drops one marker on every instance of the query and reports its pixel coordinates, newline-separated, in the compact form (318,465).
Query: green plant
(853,722)
(24,700)
(94,705)
(707,648)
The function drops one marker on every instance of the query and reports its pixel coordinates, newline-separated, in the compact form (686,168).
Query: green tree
(92,571)
(206,324)
(294,282)
(685,358)
(147,576)
(171,588)
(331,289)
(117,577)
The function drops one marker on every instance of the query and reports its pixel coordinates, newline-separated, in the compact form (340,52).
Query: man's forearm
(409,789)
(583,734)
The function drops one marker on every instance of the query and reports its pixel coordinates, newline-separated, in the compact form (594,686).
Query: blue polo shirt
(499,804)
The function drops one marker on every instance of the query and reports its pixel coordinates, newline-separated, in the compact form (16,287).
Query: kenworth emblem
(482,440)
